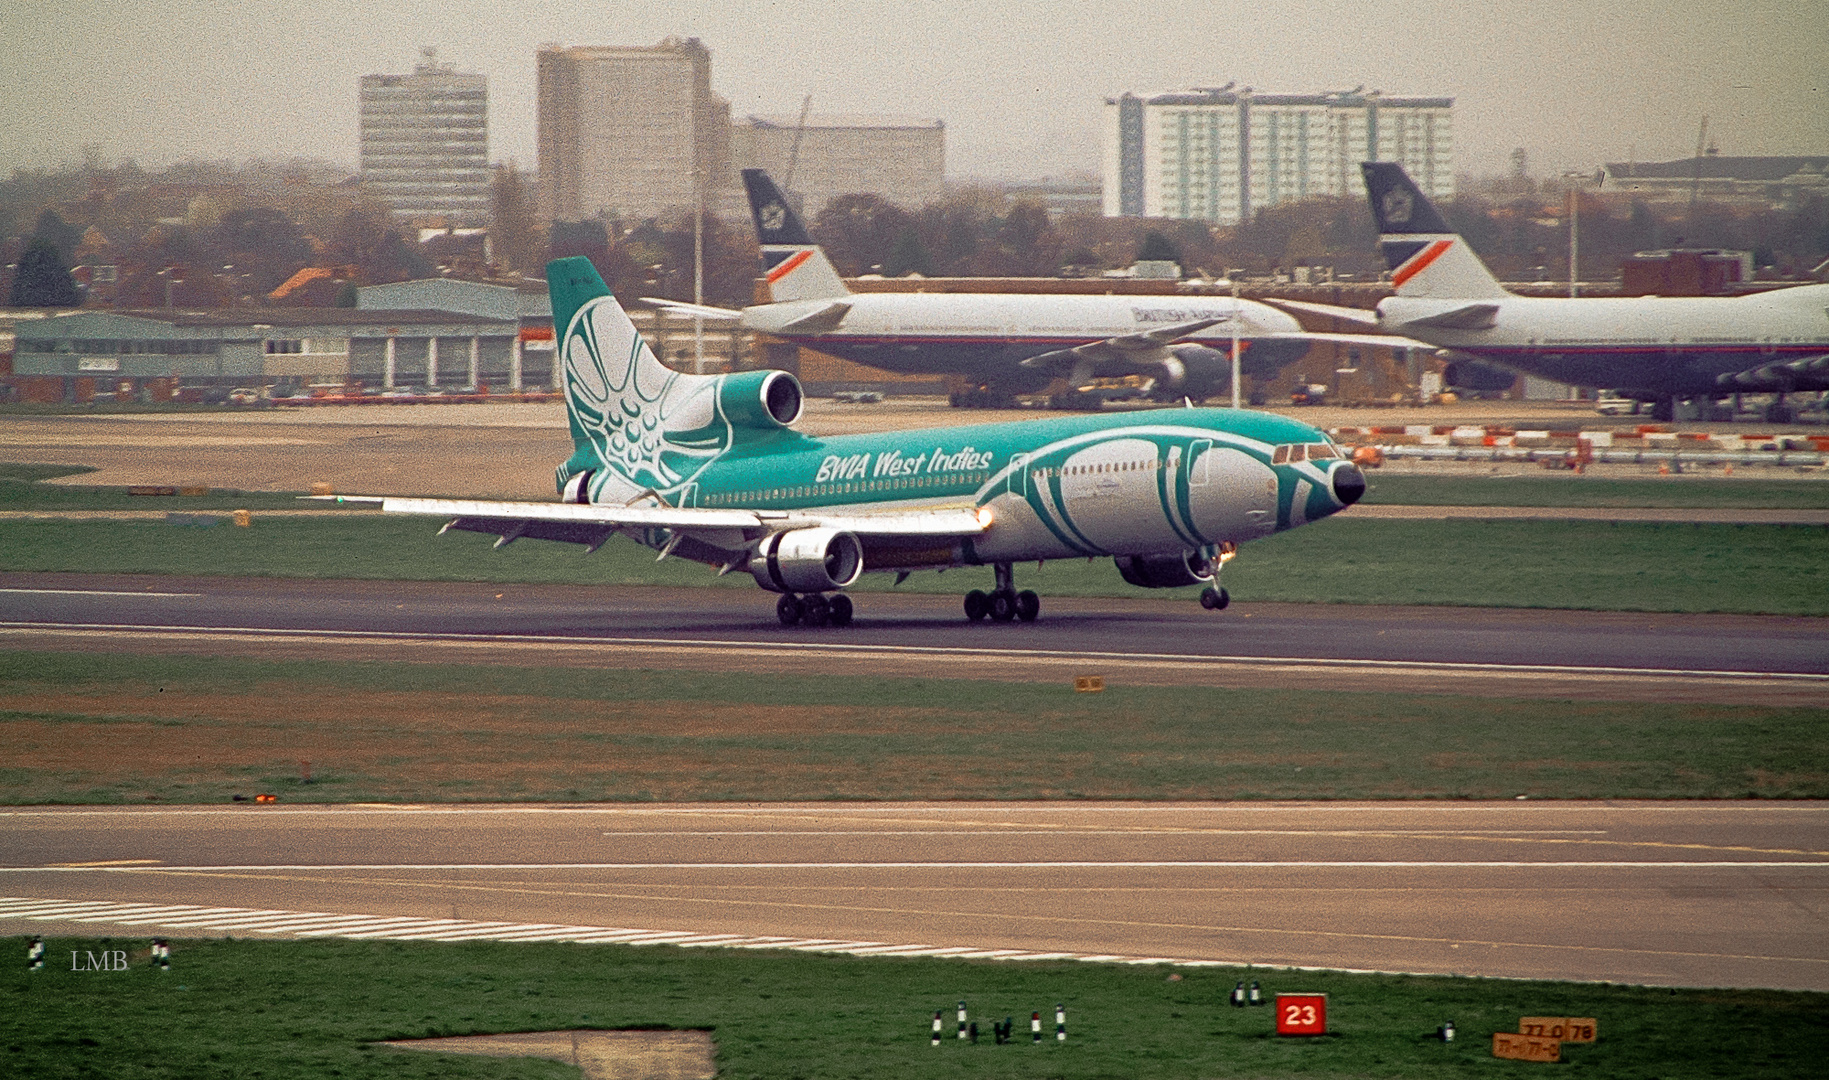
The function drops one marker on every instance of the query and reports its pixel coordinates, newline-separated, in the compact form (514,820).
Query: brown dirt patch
(198,744)
(599,1055)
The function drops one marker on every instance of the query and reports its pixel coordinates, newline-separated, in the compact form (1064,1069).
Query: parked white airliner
(1009,343)
(1659,349)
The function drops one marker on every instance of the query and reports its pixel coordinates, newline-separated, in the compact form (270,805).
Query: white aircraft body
(1658,349)
(1010,343)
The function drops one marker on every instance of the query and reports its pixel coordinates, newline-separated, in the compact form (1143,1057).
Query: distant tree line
(211,235)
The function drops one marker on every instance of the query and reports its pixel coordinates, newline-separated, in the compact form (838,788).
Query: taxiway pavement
(1692,894)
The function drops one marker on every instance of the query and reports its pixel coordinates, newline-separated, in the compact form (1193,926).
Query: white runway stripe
(877,651)
(319,924)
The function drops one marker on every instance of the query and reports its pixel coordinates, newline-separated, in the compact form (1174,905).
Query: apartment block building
(425,143)
(1219,155)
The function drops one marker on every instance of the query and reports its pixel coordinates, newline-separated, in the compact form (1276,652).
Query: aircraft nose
(1349,484)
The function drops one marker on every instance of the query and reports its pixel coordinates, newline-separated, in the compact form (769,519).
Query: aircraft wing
(1378,341)
(1362,316)
(732,531)
(1466,317)
(681,307)
(1808,373)
(1133,347)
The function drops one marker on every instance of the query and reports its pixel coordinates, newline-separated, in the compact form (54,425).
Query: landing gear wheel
(839,610)
(815,610)
(1003,605)
(977,605)
(1028,606)
(1214,599)
(788,609)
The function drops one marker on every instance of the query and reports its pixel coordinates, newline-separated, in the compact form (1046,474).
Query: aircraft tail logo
(638,427)
(1426,257)
(795,267)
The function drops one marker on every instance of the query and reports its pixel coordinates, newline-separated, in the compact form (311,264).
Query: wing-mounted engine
(807,560)
(1165,571)
(1809,373)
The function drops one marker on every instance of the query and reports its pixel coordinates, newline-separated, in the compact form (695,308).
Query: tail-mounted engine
(761,399)
(807,560)
(1165,571)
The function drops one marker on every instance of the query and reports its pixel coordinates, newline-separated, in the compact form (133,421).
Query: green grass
(312,1009)
(32,473)
(1675,567)
(1570,489)
(421,732)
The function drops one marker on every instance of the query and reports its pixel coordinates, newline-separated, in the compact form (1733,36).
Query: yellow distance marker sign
(1575,1029)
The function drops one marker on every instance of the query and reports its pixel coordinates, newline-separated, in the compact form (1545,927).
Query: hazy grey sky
(1019,83)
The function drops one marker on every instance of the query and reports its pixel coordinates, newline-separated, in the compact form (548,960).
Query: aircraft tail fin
(627,410)
(1426,257)
(795,266)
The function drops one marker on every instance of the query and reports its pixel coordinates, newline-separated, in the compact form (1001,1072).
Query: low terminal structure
(150,354)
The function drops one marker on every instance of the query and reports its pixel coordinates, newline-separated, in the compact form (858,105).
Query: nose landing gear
(1004,603)
(814,609)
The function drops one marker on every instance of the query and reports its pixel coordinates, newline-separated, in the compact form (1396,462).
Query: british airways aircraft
(1658,349)
(708,468)
(1008,343)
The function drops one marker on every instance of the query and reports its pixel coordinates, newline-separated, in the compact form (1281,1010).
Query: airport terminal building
(150,353)
(1220,155)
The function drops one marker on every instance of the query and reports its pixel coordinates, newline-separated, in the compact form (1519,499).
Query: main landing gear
(1214,599)
(1003,603)
(814,609)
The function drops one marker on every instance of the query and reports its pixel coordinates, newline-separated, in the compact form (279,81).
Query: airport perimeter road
(1695,894)
(1616,656)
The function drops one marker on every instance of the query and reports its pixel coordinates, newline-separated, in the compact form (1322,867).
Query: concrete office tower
(1221,154)
(623,130)
(425,143)
(901,158)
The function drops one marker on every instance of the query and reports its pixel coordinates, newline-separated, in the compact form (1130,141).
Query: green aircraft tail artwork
(641,431)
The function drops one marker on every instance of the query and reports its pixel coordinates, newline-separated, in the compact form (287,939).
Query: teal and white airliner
(709,468)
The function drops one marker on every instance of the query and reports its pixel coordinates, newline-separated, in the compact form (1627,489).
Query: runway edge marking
(1056,656)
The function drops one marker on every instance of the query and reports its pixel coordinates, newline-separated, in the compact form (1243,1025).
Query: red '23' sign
(1301,1014)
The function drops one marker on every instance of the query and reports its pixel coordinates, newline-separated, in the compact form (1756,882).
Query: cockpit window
(1320,451)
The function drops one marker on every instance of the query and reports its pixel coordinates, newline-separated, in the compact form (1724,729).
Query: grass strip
(1571,489)
(1676,567)
(32,473)
(200,730)
(312,1009)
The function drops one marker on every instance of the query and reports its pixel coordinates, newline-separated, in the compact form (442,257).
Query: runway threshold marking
(410,928)
(877,651)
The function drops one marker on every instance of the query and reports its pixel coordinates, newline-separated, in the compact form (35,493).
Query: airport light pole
(698,270)
(1234,283)
(1573,182)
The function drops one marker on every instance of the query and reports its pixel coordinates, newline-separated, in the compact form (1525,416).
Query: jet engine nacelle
(1165,571)
(761,399)
(1478,375)
(807,560)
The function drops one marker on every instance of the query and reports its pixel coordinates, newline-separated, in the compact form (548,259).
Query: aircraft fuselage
(1658,346)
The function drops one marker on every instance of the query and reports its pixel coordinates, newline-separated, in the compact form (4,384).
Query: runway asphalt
(1663,894)
(1622,656)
